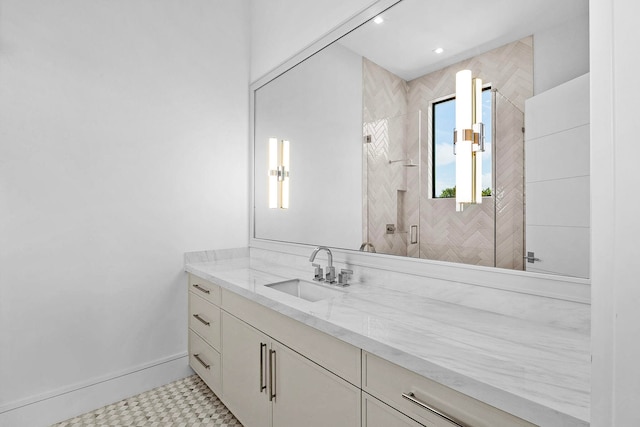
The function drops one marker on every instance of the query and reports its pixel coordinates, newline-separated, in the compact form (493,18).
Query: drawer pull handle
(197,316)
(201,289)
(263,384)
(272,381)
(197,356)
(412,398)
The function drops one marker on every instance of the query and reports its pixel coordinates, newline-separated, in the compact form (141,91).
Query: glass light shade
(284,184)
(477,154)
(279,160)
(464,106)
(464,168)
(477,100)
(273,177)
(464,147)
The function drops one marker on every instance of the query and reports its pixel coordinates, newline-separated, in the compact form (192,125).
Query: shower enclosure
(403,216)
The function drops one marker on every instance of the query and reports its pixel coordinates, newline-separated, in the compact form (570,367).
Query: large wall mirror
(354,145)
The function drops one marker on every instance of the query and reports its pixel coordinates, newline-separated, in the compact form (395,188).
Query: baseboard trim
(66,402)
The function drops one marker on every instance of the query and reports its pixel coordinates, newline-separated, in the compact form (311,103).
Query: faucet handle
(317,273)
(330,277)
(344,276)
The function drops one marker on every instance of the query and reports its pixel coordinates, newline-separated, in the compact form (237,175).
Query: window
(444,161)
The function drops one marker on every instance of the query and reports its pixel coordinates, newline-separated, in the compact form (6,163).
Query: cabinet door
(309,395)
(244,373)
(378,414)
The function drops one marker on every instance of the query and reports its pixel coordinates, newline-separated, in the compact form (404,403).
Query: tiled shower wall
(490,234)
(385,184)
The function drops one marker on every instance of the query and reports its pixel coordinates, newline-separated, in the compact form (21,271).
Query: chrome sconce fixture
(278,174)
(468,139)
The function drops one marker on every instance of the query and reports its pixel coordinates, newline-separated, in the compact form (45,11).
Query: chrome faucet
(367,244)
(330,277)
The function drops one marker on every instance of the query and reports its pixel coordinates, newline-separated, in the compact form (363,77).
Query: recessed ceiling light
(438,50)
(378,19)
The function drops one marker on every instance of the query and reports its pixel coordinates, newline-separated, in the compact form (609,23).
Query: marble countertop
(533,370)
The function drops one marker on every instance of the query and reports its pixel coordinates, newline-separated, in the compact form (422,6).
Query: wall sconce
(468,139)
(278,174)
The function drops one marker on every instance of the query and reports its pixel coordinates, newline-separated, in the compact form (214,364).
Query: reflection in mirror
(371,133)
(317,107)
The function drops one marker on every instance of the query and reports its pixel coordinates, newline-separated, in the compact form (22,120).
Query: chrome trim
(412,398)
(197,316)
(272,382)
(531,258)
(263,386)
(344,276)
(365,245)
(201,289)
(197,356)
(413,234)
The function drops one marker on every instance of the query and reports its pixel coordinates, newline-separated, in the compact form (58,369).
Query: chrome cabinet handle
(197,356)
(201,289)
(272,368)
(197,316)
(412,398)
(263,386)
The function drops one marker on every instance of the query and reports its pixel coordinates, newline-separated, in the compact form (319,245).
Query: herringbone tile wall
(385,120)
(397,114)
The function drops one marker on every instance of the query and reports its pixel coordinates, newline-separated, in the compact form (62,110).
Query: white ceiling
(412,29)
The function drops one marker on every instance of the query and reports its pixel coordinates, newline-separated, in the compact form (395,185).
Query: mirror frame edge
(537,284)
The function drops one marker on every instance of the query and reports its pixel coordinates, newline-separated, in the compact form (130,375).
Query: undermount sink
(306,290)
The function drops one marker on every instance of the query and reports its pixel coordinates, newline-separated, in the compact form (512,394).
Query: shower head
(408,163)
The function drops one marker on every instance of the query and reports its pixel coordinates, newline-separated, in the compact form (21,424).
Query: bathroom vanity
(475,318)
(377,353)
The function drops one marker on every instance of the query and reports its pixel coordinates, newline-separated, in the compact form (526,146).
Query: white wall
(282,28)
(614,211)
(123,135)
(557,179)
(326,150)
(561,53)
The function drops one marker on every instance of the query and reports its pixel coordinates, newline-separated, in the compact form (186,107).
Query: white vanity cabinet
(267,384)
(274,371)
(204,331)
(245,375)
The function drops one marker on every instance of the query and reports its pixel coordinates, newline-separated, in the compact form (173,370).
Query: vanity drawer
(204,318)
(204,288)
(378,414)
(205,361)
(388,382)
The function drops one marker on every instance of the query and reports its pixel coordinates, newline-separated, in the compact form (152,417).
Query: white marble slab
(533,369)
(215,255)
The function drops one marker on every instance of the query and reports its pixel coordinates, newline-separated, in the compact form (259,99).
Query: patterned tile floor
(184,403)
